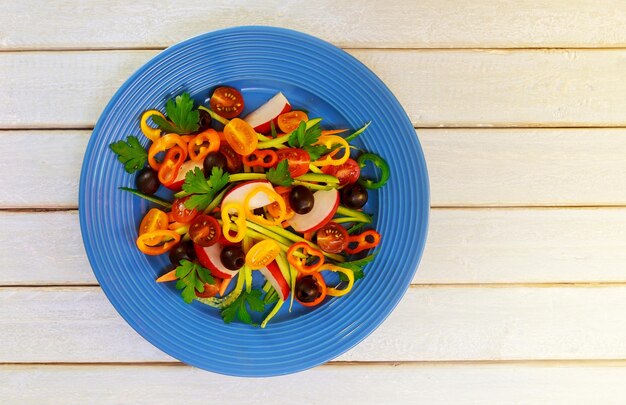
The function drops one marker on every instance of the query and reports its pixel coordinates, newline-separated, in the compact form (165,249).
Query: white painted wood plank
(430,324)
(464,246)
(427,23)
(362,384)
(467,167)
(437,88)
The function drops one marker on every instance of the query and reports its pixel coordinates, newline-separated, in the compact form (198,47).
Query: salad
(271,192)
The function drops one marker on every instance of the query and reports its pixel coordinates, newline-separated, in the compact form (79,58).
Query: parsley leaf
(239,308)
(305,139)
(191,277)
(356,266)
(182,113)
(280,175)
(130,153)
(203,191)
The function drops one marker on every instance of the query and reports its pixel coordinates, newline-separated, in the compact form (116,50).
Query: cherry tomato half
(205,230)
(298,160)
(226,102)
(347,172)
(262,254)
(154,220)
(332,238)
(241,136)
(289,121)
(180,213)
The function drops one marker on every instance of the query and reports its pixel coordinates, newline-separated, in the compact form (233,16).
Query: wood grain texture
(366,384)
(467,167)
(369,23)
(455,88)
(430,324)
(464,246)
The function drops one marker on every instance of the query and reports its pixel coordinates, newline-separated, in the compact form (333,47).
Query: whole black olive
(215,159)
(307,289)
(232,257)
(148,181)
(204,121)
(354,196)
(182,251)
(301,200)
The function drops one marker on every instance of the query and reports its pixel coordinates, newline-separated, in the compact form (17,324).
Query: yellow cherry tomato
(262,254)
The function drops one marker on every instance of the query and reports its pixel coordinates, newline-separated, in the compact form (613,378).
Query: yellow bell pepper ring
(227,221)
(335,143)
(347,272)
(272,195)
(151,133)
(157,242)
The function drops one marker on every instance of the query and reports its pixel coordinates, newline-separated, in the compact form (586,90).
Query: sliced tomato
(298,160)
(154,220)
(289,121)
(241,136)
(347,172)
(180,213)
(332,238)
(226,102)
(205,231)
(233,159)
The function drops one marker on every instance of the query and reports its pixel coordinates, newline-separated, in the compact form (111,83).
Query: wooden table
(521,110)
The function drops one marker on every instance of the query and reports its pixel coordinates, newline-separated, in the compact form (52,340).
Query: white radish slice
(209,257)
(273,274)
(239,193)
(260,118)
(325,204)
(178,182)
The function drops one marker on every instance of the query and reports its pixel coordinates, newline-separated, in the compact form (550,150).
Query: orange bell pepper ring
(151,133)
(202,144)
(174,159)
(161,145)
(261,157)
(363,241)
(272,195)
(157,242)
(227,221)
(332,141)
(299,263)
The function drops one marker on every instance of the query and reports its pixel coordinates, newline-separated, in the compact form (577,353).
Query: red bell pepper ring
(300,263)
(261,157)
(365,240)
(174,159)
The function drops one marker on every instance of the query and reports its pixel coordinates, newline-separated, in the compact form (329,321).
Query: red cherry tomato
(205,231)
(233,159)
(332,238)
(298,160)
(347,172)
(180,213)
(226,102)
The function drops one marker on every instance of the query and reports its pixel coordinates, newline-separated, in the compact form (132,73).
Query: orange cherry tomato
(289,121)
(157,242)
(241,136)
(174,159)
(203,144)
(154,220)
(180,213)
(226,102)
(262,254)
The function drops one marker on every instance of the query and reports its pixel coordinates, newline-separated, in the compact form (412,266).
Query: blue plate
(316,76)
